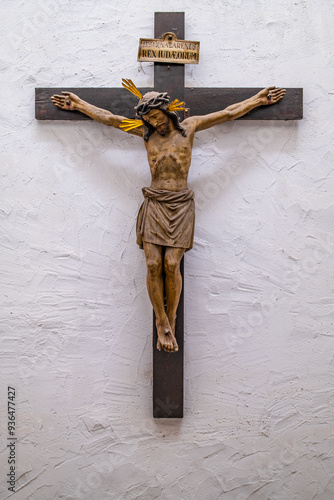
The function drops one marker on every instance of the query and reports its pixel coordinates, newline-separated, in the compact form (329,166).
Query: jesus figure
(165,224)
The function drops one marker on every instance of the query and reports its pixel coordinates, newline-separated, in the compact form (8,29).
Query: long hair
(156,100)
(172,115)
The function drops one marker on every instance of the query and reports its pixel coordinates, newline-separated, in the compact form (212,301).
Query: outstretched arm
(270,95)
(72,102)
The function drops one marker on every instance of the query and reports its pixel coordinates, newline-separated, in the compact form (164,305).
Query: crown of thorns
(151,100)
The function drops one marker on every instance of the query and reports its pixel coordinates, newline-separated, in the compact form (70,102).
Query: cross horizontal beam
(199,100)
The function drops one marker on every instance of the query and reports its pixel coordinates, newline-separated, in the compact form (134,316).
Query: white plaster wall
(75,316)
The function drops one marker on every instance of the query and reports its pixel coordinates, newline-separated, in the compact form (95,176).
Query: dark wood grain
(208,100)
(117,100)
(199,100)
(168,367)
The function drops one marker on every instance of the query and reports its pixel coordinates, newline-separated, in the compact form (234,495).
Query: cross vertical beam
(168,367)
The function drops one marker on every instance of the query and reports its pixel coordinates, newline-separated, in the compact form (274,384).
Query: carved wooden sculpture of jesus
(165,224)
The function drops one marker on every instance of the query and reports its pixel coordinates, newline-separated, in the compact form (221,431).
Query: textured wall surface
(75,317)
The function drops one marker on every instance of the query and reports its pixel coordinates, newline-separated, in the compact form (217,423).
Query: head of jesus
(158,120)
(152,109)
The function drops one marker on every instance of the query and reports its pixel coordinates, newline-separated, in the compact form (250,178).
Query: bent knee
(172,265)
(154,266)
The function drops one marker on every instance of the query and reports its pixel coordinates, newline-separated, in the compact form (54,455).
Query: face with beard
(159,120)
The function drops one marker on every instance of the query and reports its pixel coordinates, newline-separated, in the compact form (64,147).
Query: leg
(155,287)
(173,281)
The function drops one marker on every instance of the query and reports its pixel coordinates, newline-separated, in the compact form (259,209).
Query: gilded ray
(176,105)
(130,86)
(127,124)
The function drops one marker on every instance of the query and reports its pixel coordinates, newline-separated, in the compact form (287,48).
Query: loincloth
(167,218)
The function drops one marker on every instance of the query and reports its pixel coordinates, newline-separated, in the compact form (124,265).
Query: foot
(172,322)
(166,339)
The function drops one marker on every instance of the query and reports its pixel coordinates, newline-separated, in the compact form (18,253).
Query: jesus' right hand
(66,101)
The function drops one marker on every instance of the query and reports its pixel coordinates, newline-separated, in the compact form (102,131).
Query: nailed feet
(166,339)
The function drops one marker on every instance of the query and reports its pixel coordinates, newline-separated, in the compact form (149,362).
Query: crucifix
(160,127)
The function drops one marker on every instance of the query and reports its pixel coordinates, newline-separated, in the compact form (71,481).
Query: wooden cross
(168,367)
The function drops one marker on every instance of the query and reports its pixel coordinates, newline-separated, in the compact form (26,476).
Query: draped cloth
(167,218)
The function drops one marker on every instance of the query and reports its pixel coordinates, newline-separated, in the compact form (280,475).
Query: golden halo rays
(176,105)
(127,124)
(130,86)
